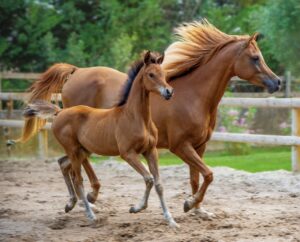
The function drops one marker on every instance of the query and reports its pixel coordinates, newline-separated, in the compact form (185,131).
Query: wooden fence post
(296,132)
(288,80)
(43,144)
(10,107)
(0,90)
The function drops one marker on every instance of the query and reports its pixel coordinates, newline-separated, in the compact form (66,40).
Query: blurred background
(35,34)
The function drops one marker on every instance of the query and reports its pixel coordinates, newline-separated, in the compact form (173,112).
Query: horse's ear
(255,37)
(259,36)
(160,59)
(147,58)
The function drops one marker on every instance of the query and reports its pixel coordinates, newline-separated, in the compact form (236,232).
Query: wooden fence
(291,103)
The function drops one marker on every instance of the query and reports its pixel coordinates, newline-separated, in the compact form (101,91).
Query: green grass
(259,159)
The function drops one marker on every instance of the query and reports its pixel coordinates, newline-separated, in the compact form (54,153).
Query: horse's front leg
(152,159)
(133,160)
(189,155)
(194,179)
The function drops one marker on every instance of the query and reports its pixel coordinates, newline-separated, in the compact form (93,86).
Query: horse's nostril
(279,82)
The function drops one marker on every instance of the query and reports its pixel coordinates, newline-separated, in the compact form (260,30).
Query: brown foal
(199,65)
(126,130)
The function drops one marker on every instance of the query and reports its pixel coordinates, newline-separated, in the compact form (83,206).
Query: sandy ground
(249,207)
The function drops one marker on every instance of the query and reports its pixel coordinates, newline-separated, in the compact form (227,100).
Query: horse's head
(154,76)
(250,65)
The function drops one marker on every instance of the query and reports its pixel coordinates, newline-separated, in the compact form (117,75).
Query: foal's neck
(138,104)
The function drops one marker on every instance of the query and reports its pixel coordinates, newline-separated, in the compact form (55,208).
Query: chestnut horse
(126,130)
(199,65)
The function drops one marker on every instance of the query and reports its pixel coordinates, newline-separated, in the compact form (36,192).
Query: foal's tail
(41,109)
(50,82)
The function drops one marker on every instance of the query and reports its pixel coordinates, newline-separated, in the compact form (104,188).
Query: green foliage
(258,159)
(35,34)
(280,20)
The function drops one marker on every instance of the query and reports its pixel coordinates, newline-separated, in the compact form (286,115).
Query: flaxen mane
(197,43)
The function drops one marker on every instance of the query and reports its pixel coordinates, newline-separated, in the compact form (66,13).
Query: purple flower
(222,129)
(283,125)
(233,112)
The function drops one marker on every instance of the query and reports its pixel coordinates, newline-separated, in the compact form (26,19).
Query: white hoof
(202,213)
(173,224)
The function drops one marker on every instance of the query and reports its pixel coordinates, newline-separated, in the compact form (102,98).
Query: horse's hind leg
(95,184)
(133,161)
(65,166)
(152,158)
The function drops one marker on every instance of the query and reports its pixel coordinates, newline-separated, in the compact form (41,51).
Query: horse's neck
(138,104)
(210,80)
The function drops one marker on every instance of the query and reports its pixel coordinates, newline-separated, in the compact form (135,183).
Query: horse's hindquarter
(94,87)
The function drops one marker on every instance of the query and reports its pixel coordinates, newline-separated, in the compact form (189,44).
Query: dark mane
(132,73)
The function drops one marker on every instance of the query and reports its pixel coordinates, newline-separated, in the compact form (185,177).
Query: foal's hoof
(91,198)
(186,206)
(174,225)
(69,207)
(133,209)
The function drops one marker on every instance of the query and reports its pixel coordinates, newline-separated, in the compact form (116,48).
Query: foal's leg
(65,166)
(152,159)
(95,184)
(76,160)
(133,161)
(189,155)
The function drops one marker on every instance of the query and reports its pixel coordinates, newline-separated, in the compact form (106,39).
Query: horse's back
(94,87)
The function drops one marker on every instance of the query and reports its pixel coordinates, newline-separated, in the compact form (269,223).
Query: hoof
(205,215)
(173,224)
(68,208)
(91,198)
(137,210)
(132,210)
(92,217)
(186,206)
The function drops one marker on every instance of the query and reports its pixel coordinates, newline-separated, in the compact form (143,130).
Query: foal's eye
(255,58)
(151,75)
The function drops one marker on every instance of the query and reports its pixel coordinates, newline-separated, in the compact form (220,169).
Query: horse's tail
(50,82)
(41,109)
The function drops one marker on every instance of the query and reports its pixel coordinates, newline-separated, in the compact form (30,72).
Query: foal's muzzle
(167,93)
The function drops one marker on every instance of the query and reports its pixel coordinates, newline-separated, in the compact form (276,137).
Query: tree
(280,20)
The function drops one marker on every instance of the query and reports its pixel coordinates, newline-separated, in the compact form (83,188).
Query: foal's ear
(160,59)
(147,58)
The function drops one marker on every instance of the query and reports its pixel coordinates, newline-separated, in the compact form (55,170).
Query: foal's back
(89,128)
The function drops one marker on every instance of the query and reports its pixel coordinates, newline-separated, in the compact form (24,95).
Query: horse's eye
(151,75)
(255,58)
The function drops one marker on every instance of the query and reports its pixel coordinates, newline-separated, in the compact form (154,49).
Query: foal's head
(154,78)
(250,65)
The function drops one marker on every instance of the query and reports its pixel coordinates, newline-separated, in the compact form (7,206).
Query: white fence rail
(291,103)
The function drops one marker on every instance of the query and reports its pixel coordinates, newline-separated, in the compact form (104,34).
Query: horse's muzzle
(273,85)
